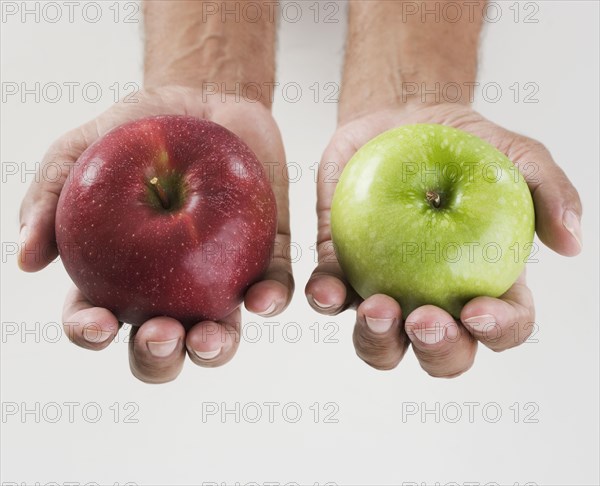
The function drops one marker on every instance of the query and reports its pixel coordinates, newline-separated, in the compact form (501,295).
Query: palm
(380,337)
(158,350)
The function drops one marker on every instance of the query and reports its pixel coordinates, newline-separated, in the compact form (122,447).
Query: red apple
(166,216)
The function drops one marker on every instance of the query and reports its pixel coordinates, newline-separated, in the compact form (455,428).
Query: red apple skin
(127,253)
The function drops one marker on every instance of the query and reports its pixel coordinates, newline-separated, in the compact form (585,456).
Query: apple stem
(433,198)
(163,197)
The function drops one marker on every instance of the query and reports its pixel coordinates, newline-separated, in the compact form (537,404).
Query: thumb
(38,209)
(557,205)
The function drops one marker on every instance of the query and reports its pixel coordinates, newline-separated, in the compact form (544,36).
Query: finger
(259,130)
(210,344)
(444,348)
(504,322)
(557,204)
(38,209)
(156,350)
(273,293)
(327,291)
(378,338)
(86,325)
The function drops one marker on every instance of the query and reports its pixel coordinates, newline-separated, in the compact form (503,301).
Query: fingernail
(573,225)
(23,235)
(269,310)
(321,305)
(480,323)
(451,332)
(428,334)
(162,349)
(207,354)
(95,335)
(379,326)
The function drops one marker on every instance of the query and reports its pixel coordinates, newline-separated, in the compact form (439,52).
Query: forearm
(190,43)
(396,49)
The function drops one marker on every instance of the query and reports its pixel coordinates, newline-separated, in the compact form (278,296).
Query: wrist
(189,44)
(396,60)
(407,97)
(252,93)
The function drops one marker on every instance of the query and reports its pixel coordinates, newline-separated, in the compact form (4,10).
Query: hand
(444,347)
(158,347)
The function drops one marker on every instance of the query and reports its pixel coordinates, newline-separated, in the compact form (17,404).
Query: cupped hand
(445,347)
(157,349)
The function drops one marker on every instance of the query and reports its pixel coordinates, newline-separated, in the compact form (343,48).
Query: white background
(555,380)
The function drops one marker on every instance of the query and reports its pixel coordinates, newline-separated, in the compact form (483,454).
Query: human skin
(407,54)
(179,63)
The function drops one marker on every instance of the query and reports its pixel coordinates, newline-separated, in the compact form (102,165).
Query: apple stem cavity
(433,198)
(160,192)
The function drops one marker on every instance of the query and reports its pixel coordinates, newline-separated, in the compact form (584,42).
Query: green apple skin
(429,214)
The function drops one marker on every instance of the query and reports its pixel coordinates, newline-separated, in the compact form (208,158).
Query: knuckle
(378,352)
(449,372)
(149,371)
(574,199)
(449,363)
(433,357)
(381,362)
(528,145)
(70,143)
(536,145)
(521,149)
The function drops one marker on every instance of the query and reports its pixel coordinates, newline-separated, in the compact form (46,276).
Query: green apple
(429,214)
